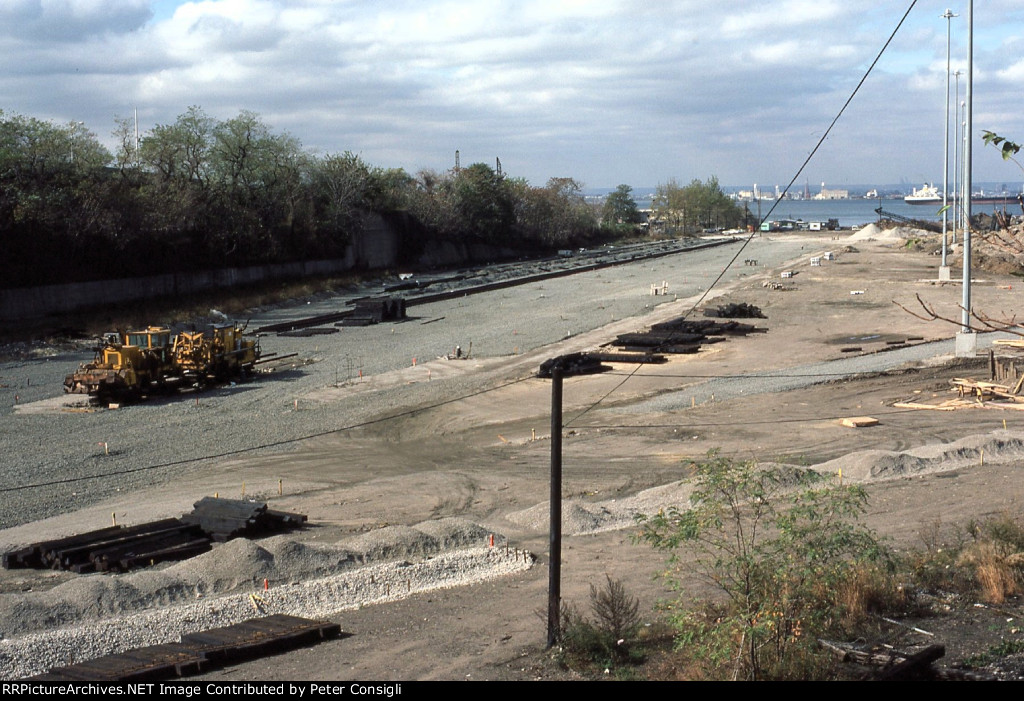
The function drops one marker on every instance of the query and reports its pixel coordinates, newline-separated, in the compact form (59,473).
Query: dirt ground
(462,464)
(486,459)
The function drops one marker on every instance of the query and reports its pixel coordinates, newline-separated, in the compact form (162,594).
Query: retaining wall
(375,247)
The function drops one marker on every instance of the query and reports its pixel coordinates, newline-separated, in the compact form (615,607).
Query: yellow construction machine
(143,362)
(222,354)
(135,362)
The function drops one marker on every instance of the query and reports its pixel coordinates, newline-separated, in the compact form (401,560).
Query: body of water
(852,212)
(848,212)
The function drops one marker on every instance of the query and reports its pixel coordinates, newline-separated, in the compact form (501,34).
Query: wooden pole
(555,549)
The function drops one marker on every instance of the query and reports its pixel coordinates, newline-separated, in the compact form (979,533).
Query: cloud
(70,20)
(606,91)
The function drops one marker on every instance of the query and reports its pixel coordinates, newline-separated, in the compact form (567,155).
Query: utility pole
(944,267)
(956,155)
(967,340)
(555,515)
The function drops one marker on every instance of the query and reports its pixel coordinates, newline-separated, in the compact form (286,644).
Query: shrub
(607,641)
(784,549)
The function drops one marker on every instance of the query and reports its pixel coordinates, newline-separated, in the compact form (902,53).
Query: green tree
(554,215)
(484,204)
(620,208)
(699,205)
(781,545)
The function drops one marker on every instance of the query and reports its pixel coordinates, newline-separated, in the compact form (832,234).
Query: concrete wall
(376,247)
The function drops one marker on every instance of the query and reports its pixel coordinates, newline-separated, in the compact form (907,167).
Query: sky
(603,91)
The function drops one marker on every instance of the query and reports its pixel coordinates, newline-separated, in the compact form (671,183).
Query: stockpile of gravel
(873,465)
(98,615)
(873,232)
(580,517)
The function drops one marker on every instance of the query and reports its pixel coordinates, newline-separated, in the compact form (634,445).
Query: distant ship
(929,194)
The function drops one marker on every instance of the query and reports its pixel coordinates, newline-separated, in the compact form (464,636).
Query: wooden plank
(919,405)
(142,664)
(259,636)
(915,664)
(858,421)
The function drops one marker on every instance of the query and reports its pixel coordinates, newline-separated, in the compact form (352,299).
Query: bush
(607,641)
(784,549)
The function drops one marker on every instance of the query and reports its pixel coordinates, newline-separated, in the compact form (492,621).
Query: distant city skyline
(603,91)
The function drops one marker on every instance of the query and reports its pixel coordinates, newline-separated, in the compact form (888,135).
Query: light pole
(956,155)
(74,133)
(944,269)
(967,340)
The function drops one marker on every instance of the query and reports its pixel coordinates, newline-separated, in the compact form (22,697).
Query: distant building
(827,194)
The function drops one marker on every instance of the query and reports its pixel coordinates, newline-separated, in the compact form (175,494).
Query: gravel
(97,615)
(78,457)
(57,457)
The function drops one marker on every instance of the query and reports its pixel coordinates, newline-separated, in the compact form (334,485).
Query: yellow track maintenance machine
(132,363)
(144,362)
(218,356)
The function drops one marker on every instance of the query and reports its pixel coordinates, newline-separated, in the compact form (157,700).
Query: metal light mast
(968,346)
(945,155)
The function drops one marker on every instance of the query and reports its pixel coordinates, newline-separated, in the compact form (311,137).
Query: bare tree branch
(985,323)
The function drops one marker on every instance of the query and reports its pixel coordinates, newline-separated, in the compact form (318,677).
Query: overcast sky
(603,91)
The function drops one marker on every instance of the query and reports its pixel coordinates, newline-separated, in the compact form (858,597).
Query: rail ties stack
(199,652)
(682,335)
(224,519)
(572,364)
(736,311)
(375,310)
(118,548)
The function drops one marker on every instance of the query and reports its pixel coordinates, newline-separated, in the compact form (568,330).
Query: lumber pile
(572,364)
(682,335)
(983,391)
(736,311)
(119,548)
(975,394)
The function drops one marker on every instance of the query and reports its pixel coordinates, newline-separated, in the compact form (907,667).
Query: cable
(800,170)
(713,424)
(755,376)
(274,444)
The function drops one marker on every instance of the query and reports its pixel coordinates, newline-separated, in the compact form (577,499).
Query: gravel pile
(98,615)
(872,465)
(581,517)
(872,232)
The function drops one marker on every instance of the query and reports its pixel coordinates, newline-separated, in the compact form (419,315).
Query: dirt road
(484,458)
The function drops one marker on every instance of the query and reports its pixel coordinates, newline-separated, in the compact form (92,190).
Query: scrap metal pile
(119,548)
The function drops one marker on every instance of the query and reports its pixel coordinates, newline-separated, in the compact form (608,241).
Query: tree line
(202,193)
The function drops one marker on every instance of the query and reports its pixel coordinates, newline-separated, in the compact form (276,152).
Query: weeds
(785,551)
(986,559)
